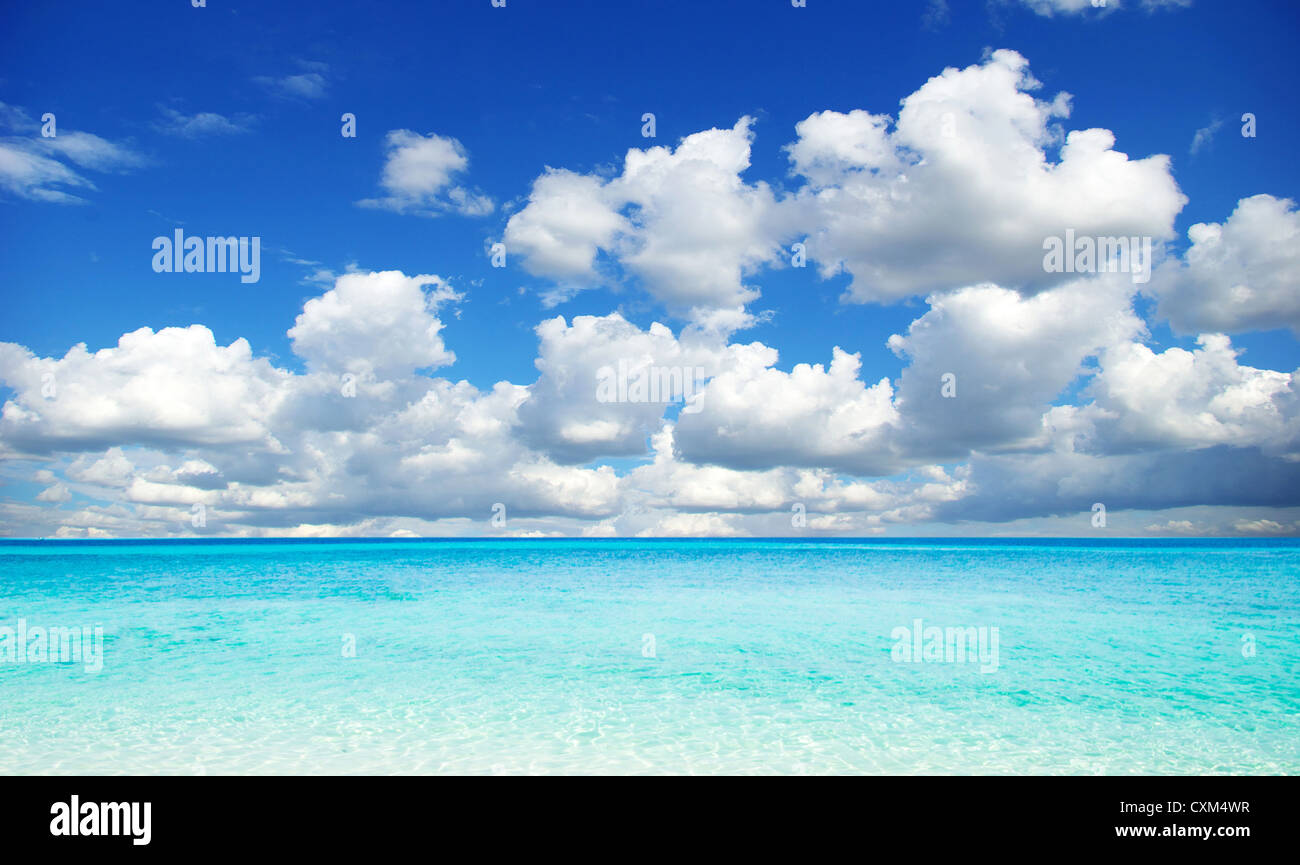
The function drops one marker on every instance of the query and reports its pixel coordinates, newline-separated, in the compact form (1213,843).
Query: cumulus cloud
(1239,275)
(1161,430)
(1018,394)
(110,469)
(984,364)
(671,483)
(605,384)
(174,386)
(1145,400)
(55,494)
(420,177)
(1064,482)
(754,415)
(963,190)
(170,419)
(686,525)
(1009,356)
(774,501)
(563,227)
(375,325)
(680,221)
(964,187)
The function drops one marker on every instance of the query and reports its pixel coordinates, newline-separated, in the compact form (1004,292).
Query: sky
(475,235)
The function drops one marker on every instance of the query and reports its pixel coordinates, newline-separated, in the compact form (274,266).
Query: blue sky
(564,85)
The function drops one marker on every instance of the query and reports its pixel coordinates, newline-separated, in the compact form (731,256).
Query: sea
(616,656)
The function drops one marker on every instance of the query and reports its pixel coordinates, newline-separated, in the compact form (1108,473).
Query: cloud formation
(420,177)
(203,124)
(680,221)
(963,187)
(1015,394)
(1050,8)
(46,169)
(1238,275)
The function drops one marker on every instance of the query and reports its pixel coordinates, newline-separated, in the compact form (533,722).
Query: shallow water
(766,657)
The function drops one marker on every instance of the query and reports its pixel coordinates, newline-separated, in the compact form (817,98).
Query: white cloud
(1050,8)
(936,15)
(1265,527)
(1010,356)
(687,525)
(112,469)
(38,178)
(1065,482)
(170,419)
(565,223)
(680,221)
(1238,275)
(1059,400)
(174,386)
(92,152)
(672,483)
(40,169)
(754,415)
(420,177)
(56,494)
(1204,136)
(963,190)
(767,501)
(1145,400)
(432,456)
(201,124)
(567,416)
(375,325)
(303,85)
(1163,430)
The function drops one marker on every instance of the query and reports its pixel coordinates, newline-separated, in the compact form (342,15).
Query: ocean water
(686,656)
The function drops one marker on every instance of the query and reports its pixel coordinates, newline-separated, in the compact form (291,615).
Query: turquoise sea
(694,656)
